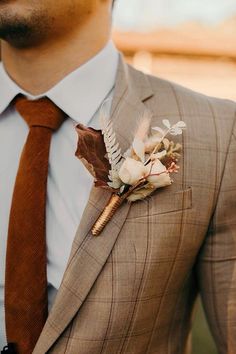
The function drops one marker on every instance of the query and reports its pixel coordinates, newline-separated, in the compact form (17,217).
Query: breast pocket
(170,202)
(162,202)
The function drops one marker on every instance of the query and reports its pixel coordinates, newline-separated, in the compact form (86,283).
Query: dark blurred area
(202,341)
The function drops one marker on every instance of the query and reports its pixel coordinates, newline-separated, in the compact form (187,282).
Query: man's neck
(39,68)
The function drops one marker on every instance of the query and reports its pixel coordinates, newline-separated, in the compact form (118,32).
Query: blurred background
(192,42)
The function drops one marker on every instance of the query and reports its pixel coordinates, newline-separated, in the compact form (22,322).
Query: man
(131,289)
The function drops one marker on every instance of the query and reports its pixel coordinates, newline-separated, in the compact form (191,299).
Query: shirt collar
(80,93)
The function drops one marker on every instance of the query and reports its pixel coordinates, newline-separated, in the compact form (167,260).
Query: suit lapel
(89,254)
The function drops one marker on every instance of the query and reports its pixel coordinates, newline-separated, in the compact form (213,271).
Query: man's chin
(19,28)
(13,33)
(15,29)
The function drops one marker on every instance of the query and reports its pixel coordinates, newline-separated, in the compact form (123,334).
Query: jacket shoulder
(168,95)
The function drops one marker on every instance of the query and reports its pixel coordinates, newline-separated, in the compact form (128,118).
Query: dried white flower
(132,171)
(158,176)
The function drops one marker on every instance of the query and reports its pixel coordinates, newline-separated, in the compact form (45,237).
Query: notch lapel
(89,254)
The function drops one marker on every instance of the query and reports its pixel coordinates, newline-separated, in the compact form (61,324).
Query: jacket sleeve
(216,266)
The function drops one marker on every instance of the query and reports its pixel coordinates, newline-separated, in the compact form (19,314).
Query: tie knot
(40,113)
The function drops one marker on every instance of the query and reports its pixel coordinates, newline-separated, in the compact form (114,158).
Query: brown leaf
(91,150)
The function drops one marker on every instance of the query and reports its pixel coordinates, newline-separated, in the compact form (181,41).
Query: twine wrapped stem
(113,204)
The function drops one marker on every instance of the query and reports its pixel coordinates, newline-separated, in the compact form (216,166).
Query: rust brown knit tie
(26,278)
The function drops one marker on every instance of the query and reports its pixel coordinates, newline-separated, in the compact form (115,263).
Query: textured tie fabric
(26,278)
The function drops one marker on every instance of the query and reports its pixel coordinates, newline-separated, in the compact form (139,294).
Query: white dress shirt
(79,95)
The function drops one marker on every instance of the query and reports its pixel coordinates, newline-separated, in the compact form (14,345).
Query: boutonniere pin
(134,175)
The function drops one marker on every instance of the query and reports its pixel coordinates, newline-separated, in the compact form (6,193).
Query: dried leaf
(177,129)
(88,166)
(159,130)
(166,144)
(166,123)
(181,124)
(92,151)
(141,193)
(158,155)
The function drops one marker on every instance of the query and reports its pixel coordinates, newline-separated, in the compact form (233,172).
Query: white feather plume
(112,147)
(143,126)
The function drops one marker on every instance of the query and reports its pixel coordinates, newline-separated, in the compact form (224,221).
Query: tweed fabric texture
(132,289)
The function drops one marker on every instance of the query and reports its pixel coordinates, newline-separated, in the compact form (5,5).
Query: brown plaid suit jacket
(132,289)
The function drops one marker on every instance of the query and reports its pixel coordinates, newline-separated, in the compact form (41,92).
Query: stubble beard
(22,32)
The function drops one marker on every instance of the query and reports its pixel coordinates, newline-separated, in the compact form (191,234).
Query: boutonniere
(135,174)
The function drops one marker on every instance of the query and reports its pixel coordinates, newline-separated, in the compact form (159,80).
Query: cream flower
(159,176)
(132,171)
